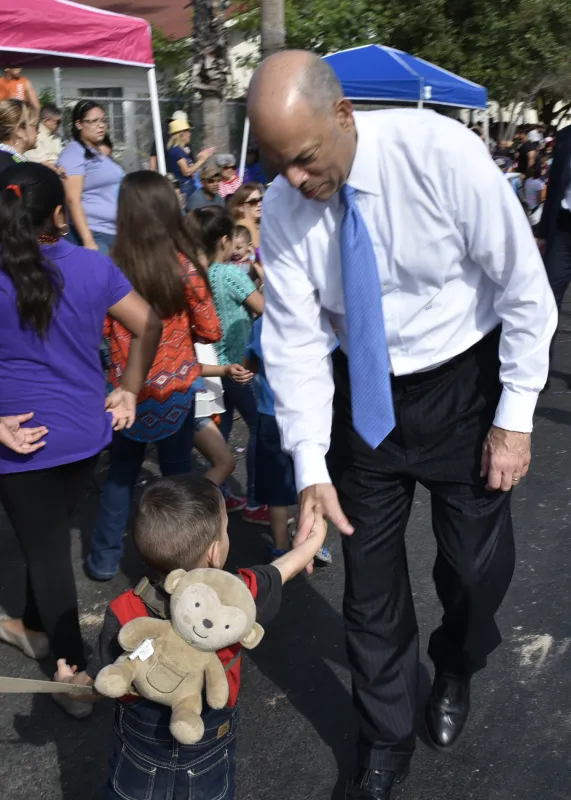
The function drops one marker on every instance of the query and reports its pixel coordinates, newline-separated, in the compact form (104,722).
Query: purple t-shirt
(60,378)
(102,177)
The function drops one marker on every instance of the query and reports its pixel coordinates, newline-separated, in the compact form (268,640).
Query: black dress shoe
(373,784)
(447,709)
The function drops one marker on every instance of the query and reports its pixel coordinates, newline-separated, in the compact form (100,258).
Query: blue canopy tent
(375,73)
(378,74)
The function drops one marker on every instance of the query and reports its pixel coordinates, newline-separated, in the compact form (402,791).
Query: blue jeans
(127,458)
(148,764)
(243,398)
(104,242)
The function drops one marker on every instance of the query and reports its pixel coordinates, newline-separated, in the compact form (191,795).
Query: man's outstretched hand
(506,456)
(319,500)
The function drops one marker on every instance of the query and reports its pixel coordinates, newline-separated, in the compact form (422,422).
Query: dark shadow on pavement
(83,746)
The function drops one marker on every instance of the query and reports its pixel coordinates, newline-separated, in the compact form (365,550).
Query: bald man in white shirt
(468,318)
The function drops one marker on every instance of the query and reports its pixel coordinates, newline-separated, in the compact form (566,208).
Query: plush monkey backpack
(171,662)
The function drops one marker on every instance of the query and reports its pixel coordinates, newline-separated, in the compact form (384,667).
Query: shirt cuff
(515,410)
(310,467)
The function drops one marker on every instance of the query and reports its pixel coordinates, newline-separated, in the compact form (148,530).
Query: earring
(64,229)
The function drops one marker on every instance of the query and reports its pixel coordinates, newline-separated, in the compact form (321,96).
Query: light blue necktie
(369,368)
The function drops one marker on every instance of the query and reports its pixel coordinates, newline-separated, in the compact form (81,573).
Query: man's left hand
(506,456)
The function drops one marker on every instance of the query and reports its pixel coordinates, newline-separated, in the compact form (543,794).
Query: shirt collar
(364,175)
(7,148)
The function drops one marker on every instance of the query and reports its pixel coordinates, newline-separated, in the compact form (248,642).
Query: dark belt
(489,344)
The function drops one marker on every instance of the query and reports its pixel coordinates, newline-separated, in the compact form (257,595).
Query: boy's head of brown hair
(181,523)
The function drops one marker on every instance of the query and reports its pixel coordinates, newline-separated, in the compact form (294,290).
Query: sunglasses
(253,201)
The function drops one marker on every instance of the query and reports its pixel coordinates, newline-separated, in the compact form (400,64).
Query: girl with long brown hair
(156,250)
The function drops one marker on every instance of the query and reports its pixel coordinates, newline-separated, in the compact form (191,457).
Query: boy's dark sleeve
(269,591)
(107,649)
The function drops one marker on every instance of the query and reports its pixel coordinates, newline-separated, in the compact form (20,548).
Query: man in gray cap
(208,195)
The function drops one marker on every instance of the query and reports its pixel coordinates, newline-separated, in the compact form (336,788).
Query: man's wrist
(515,411)
(310,467)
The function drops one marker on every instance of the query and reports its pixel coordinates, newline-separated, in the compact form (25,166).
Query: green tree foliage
(518,49)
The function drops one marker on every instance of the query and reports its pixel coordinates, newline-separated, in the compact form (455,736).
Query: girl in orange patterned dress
(158,253)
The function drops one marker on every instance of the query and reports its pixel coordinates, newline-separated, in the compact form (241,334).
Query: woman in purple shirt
(54,297)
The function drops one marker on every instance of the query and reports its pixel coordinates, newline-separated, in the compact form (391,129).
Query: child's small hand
(314,540)
(239,374)
(64,671)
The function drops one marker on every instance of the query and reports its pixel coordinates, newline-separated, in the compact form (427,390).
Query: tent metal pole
(57,86)
(244,151)
(421,93)
(157,129)
(487,127)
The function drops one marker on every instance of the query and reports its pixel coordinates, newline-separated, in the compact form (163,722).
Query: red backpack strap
(127,607)
(250,580)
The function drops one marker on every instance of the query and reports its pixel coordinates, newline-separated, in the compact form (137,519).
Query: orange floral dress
(168,394)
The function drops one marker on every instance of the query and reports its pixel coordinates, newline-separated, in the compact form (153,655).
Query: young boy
(275,481)
(181,523)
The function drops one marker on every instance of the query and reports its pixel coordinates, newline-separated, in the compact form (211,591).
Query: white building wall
(132,80)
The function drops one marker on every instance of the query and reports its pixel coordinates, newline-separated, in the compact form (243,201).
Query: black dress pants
(442,418)
(39,504)
(558,257)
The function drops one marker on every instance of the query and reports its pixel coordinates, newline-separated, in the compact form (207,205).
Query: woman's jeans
(104,241)
(242,397)
(127,458)
(148,764)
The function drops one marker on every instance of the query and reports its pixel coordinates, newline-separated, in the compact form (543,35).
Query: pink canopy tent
(60,33)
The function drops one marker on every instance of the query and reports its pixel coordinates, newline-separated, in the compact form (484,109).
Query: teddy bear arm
(115,680)
(135,632)
(217,690)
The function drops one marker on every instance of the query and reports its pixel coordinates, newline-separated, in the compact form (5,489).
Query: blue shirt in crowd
(254,348)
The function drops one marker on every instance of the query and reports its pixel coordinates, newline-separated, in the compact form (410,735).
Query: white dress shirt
(456,258)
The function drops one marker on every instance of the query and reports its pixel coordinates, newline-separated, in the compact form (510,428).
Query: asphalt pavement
(297,730)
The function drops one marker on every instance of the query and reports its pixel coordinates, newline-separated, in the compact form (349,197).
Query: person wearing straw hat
(179,161)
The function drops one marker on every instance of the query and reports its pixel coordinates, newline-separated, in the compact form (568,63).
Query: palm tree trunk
(210,63)
(272,26)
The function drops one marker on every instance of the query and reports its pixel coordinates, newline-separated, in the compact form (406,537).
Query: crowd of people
(133,305)
(526,162)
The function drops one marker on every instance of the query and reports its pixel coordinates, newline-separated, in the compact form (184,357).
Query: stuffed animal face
(211,609)
(203,621)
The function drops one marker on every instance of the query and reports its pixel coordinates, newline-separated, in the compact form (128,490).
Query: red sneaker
(258,516)
(235,504)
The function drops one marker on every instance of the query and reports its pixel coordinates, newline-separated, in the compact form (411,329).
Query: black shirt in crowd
(523,156)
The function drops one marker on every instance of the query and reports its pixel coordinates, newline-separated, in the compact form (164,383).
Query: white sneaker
(324,556)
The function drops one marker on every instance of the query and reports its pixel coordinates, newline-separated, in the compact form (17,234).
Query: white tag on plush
(144,650)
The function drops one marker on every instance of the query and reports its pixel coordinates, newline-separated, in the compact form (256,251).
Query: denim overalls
(148,764)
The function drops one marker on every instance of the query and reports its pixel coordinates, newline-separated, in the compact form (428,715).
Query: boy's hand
(64,672)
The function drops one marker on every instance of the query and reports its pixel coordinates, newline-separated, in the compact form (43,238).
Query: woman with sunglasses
(93,178)
(246,208)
